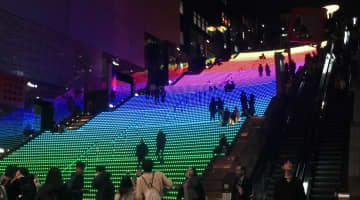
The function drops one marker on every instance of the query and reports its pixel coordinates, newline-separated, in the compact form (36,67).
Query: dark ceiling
(270,11)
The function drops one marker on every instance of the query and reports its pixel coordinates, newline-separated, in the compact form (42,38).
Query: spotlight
(131,71)
(261,41)
(111,105)
(37,97)
(116,63)
(136,94)
(282,28)
(90,70)
(208,41)
(354,21)
(31,85)
(263,25)
(2,150)
(178,48)
(170,82)
(284,34)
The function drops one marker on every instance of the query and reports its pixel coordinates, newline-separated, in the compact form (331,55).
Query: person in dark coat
(160,145)
(252,105)
(76,183)
(103,184)
(260,70)
(54,188)
(141,152)
(241,185)
(22,186)
(5,180)
(212,108)
(226,117)
(267,70)
(223,145)
(220,107)
(289,187)
(192,188)
(243,100)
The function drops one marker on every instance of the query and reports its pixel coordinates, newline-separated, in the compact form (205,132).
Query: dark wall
(113,26)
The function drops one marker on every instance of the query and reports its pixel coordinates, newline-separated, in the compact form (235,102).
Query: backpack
(151,193)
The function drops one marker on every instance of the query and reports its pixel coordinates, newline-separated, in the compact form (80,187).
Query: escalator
(289,149)
(329,164)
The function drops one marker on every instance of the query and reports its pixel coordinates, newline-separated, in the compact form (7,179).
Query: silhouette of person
(160,145)
(252,105)
(141,152)
(267,70)
(244,104)
(212,108)
(260,69)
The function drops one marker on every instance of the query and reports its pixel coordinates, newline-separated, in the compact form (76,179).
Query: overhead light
(261,41)
(111,105)
(178,48)
(284,35)
(116,63)
(37,97)
(208,41)
(136,94)
(294,30)
(346,37)
(211,28)
(331,9)
(249,30)
(283,28)
(31,85)
(170,81)
(354,21)
(222,29)
(2,150)
(263,25)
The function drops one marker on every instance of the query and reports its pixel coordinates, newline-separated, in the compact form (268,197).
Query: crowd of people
(217,106)
(146,184)
(227,117)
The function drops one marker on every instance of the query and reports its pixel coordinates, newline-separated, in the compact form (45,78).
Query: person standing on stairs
(251,110)
(103,184)
(260,70)
(76,182)
(212,108)
(220,107)
(152,185)
(241,185)
(267,70)
(289,187)
(244,104)
(192,188)
(141,152)
(160,146)
(223,146)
